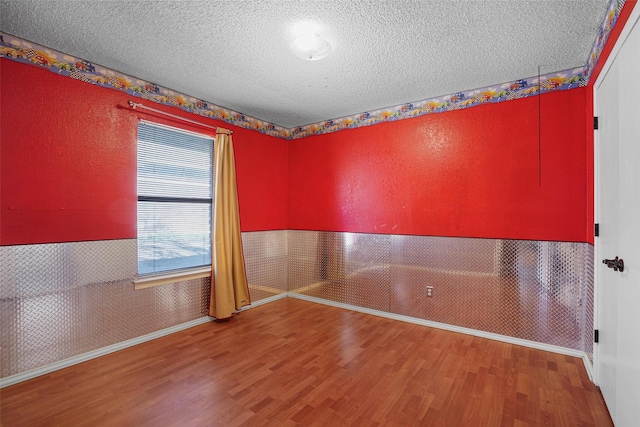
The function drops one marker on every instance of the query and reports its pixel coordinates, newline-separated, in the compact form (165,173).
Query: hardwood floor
(296,363)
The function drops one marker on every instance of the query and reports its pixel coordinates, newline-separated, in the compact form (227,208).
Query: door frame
(624,34)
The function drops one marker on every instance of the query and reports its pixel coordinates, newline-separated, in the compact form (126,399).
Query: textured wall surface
(61,300)
(266,260)
(535,290)
(514,170)
(68,162)
(69,176)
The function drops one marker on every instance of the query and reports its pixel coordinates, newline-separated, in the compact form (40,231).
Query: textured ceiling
(236,53)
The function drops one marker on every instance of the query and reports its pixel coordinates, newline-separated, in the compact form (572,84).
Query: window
(175,190)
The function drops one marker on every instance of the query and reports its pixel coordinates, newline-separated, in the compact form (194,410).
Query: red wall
(68,162)
(471,173)
(67,159)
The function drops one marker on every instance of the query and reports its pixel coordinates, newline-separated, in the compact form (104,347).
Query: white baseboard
(588,365)
(43,370)
(33,373)
(27,375)
(264,301)
(482,334)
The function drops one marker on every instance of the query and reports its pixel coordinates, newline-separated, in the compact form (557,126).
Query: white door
(617,103)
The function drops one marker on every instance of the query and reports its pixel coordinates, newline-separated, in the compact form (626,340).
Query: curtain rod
(135,105)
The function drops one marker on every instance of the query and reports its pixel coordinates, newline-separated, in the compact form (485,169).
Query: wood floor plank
(296,363)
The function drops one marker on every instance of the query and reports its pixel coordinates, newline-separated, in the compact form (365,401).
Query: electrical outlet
(429,291)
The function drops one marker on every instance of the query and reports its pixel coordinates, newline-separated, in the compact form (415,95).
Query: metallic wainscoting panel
(34,270)
(350,268)
(61,300)
(266,258)
(307,262)
(534,290)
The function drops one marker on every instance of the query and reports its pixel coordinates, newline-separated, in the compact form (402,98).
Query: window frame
(146,280)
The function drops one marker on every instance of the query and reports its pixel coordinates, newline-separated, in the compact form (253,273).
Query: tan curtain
(229,289)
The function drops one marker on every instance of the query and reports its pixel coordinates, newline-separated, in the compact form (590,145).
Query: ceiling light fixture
(310,47)
(309,42)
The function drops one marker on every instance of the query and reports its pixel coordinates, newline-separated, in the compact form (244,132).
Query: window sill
(163,279)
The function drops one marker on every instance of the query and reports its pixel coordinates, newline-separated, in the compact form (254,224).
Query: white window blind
(175,190)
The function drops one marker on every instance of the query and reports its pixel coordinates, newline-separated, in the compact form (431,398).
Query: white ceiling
(235,53)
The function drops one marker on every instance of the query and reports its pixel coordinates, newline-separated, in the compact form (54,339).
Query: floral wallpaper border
(613,12)
(19,50)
